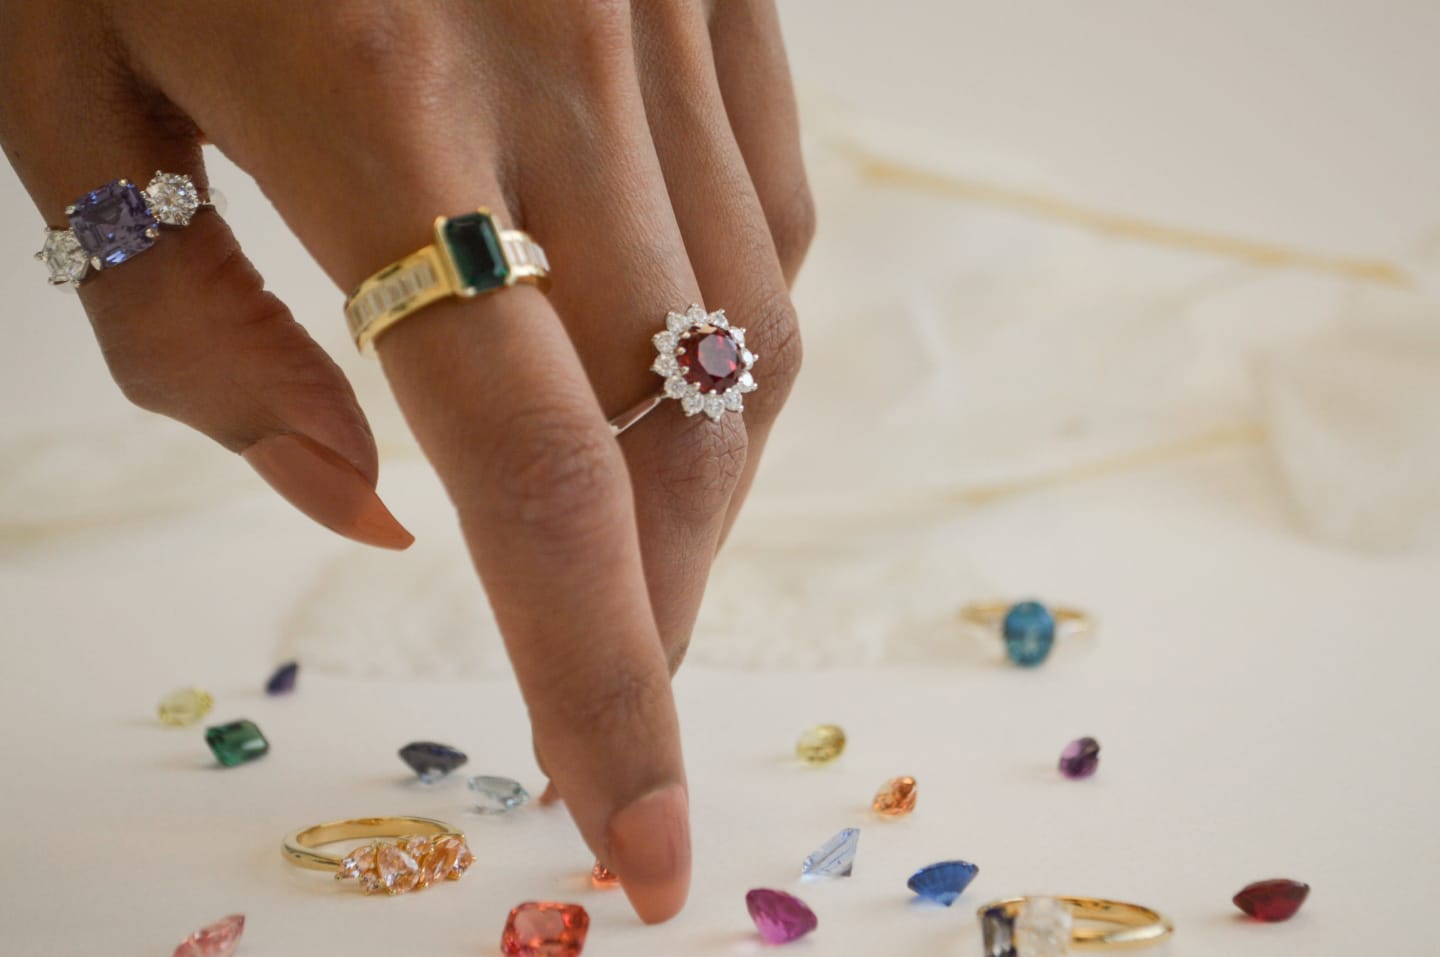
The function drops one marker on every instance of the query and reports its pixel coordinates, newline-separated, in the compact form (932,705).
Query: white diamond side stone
(676,387)
(675,323)
(172,198)
(714,406)
(665,365)
(1043,928)
(692,402)
(665,342)
(64,257)
(734,401)
(746,383)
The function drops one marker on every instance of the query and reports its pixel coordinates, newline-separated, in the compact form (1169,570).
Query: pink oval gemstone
(778,916)
(545,929)
(214,940)
(1273,900)
(710,359)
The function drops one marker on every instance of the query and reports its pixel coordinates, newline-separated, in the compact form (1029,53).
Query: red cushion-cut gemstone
(545,929)
(1273,900)
(710,359)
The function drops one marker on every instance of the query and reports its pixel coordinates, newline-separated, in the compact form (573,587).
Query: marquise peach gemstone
(214,940)
(398,871)
(896,797)
(545,929)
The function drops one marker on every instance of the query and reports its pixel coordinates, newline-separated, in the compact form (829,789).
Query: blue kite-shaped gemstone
(283,680)
(432,761)
(834,858)
(943,882)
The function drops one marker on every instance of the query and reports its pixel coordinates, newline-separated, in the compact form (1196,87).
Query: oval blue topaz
(943,882)
(1029,632)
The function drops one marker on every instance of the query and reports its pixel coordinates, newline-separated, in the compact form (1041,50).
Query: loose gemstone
(998,929)
(896,797)
(474,248)
(821,744)
(778,916)
(1029,632)
(943,882)
(172,198)
(545,929)
(603,877)
(710,359)
(1272,900)
(283,680)
(214,940)
(236,742)
(399,872)
(63,255)
(834,858)
(112,223)
(185,706)
(1043,928)
(495,795)
(432,761)
(1081,758)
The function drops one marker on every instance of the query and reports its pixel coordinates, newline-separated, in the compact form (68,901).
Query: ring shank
(1137,925)
(299,846)
(991,613)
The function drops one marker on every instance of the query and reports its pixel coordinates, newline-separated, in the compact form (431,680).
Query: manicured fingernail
(650,850)
(322,484)
(551,795)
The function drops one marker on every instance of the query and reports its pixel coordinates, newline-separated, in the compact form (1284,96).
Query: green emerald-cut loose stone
(474,246)
(236,742)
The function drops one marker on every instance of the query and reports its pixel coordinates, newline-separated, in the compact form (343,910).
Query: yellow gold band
(299,846)
(1131,925)
(470,255)
(991,613)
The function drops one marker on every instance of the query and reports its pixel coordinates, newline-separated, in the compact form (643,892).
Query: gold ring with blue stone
(1056,926)
(1029,628)
(471,255)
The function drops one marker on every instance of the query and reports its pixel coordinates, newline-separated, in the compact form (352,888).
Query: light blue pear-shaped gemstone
(834,858)
(943,882)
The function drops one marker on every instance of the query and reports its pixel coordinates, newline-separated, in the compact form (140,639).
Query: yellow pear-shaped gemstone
(821,744)
(185,706)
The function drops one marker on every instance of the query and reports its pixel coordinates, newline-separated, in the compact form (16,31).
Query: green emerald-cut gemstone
(474,246)
(236,742)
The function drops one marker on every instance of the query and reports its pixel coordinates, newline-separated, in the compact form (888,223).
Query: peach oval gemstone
(896,797)
(603,877)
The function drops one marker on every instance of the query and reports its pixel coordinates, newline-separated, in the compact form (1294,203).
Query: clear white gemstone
(719,320)
(747,358)
(696,315)
(676,387)
(738,334)
(1043,928)
(64,257)
(496,795)
(714,406)
(665,365)
(746,383)
(665,342)
(734,401)
(172,198)
(692,402)
(676,323)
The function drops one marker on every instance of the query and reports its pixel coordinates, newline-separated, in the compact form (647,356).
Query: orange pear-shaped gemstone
(896,797)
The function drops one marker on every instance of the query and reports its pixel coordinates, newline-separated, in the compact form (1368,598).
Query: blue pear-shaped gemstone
(1029,632)
(432,761)
(943,882)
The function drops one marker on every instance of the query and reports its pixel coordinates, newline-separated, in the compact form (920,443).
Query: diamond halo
(704,362)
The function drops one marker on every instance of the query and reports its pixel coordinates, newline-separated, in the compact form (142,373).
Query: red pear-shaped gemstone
(1273,900)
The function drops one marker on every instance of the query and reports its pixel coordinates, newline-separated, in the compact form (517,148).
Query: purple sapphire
(113,223)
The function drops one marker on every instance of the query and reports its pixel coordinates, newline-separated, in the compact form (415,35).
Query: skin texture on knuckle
(702,466)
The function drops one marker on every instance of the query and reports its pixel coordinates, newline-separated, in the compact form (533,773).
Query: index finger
(496,396)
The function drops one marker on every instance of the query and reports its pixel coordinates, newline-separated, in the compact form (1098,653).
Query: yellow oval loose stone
(185,706)
(821,744)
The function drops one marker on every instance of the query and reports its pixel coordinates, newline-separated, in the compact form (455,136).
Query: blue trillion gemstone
(998,929)
(834,858)
(1029,631)
(283,680)
(430,760)
(943,882)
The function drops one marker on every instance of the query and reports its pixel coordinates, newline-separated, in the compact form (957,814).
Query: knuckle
(609,706)
(558,477)
(377,38)
(701,467)
(775,334)
(792,224)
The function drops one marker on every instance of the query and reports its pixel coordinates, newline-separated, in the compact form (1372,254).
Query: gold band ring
(1036,926)
(471,255)
(422,851)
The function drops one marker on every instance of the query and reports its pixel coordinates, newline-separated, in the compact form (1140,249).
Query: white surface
(1262,696)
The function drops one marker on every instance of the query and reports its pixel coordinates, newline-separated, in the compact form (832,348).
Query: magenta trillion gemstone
(710,359)
(780,917)
(214,940)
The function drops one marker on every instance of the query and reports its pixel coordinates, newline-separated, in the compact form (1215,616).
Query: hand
(650,146)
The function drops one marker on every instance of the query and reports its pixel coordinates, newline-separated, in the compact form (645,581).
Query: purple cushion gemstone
(111,221)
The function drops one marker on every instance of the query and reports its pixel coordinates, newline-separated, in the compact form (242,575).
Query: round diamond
(710,359)
(64,256)
(714,406)
(172,198)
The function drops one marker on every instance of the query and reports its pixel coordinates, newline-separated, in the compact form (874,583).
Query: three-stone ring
(704,363)
(470,256)
(1046,926)
(117,222)
(1029,628)
(422,851)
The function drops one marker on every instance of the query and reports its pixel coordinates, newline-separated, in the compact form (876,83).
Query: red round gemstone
(1274,900)
(710,359)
